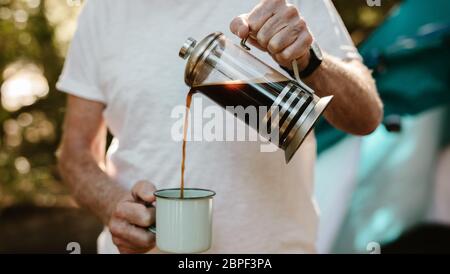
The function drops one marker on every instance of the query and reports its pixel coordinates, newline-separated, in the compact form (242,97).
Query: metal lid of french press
(196,54)
(187,48)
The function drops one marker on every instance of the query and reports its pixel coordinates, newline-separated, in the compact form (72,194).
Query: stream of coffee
(185,128)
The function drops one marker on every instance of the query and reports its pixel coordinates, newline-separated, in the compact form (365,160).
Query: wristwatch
(315,60)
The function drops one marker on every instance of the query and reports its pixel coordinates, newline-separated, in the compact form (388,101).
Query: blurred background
(367,206)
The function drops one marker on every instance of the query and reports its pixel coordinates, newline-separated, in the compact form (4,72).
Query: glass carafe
(232,77)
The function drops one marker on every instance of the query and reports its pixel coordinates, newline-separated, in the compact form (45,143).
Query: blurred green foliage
(29,135)
(34,35)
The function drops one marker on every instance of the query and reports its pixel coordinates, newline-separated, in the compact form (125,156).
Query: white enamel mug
(183,225)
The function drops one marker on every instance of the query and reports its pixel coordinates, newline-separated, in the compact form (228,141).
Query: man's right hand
(131,217)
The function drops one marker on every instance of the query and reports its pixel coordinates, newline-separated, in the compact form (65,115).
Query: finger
(239,26)
(135,236)
(276,23)
(136,214)
(255,43)
(286,37)
(126,248)
(261,13)
(123,250)
(296,50)
(143,191)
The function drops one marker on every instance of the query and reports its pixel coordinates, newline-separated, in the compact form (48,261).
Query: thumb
(240,27)
(142,191)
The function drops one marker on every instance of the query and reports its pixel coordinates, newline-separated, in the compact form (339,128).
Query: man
(123,72)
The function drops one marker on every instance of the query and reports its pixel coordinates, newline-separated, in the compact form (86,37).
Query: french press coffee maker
(230,76)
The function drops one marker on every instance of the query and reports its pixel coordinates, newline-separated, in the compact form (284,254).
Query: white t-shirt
(125,55)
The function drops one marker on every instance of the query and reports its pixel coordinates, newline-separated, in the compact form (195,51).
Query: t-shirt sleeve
(80,76)
(328,29)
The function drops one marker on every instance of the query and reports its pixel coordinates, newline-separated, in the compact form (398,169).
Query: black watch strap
(314,63)
(315,60)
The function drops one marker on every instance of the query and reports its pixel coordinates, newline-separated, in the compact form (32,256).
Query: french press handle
(244,45)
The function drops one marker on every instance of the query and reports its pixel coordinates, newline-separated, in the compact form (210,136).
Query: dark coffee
(238,93)
(258,94)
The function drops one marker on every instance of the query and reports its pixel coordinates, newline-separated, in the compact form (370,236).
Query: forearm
(356,107)
(89,184)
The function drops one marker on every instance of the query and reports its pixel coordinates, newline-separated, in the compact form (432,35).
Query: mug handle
(151,228)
